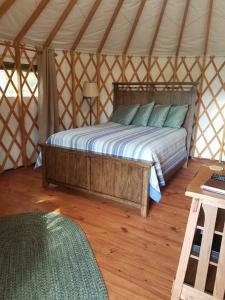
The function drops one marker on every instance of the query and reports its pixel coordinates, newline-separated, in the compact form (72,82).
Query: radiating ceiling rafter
(60,22)
(110,25)
(6,6)
(86,23)
(188,15)
(187,5)
(208,27)
(36,13)
(158,27)
(131,34)
(182,27)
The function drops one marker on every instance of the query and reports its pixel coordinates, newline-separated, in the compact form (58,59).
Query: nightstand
(201,270)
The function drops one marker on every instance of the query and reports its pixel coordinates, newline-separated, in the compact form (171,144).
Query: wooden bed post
(145,198)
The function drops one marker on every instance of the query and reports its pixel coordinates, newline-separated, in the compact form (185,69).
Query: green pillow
(176,116)
(143,114)
(158,115)
(125,114)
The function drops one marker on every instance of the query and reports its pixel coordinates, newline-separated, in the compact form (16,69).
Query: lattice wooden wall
(64,84)
(18,107)
(211,117)
(10,134)
(18,114)
(84,70)
(29,104)
(110,70)
(136,69)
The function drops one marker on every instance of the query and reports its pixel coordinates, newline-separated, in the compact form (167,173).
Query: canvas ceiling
(193,39)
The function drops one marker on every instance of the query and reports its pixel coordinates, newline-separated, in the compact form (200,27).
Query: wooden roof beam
(36,13)
(110,25)
(158,27)
(139,12)
(60,22)
(86,24)
(208,27)
(182,26)
(5,6)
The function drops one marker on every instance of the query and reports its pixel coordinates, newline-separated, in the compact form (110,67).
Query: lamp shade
(90,89)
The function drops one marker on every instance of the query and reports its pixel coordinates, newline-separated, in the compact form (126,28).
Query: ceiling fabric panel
(217,36)
(193,38)
(95,31)
(170,29)
(45,22)
(71,27)
(195,28)
(14,19)
(120,31)
(145,30)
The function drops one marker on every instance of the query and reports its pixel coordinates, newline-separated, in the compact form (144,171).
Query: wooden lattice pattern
(64,86)
(211,117)
(18,120)
(110,71)
(10,133)
(29,87)
(190,69)
(84,70)
(136,69)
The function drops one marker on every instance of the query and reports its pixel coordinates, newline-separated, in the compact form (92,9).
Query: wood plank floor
(137,257)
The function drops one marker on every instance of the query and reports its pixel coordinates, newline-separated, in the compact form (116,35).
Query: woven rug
(47,256)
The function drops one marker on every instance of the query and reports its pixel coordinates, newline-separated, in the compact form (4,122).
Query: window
(8,83)
(30,85)
(9,80)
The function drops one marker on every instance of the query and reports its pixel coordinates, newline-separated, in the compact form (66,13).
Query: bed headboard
(161,93)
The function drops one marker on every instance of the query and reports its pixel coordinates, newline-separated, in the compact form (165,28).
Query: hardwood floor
(138,257)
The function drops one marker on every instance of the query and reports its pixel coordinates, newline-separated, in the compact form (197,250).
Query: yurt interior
(112,149)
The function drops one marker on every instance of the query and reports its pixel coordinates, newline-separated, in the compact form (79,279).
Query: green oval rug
(47,256)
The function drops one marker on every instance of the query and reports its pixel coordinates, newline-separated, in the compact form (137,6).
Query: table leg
(186,249)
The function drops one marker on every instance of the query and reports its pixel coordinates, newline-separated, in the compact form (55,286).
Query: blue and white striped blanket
(164,146)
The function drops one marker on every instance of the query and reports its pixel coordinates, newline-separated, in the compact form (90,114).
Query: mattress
(166,147)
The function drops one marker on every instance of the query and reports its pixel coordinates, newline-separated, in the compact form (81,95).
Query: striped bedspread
(164,146)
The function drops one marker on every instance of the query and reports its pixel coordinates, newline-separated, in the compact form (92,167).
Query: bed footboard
(115,178)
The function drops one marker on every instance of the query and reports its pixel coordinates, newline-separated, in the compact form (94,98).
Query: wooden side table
(201,273)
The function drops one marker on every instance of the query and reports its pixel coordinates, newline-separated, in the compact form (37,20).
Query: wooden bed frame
(116,178)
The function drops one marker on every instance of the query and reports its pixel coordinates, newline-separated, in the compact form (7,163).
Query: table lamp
(90,90)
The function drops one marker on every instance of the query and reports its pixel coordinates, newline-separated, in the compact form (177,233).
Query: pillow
(143,114)
(158,115)
(176,116)
(125,114)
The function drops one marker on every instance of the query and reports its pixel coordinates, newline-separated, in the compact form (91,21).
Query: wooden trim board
(122,180)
